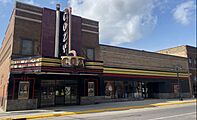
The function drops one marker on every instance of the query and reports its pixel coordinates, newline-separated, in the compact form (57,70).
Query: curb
(97,110)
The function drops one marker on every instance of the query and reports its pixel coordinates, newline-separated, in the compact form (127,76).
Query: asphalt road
(175,112)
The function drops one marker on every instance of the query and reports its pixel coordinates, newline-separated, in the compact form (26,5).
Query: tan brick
(136,59)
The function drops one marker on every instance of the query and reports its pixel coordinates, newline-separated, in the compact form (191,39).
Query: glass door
(59,96)
(66,92)
(71,94)
(59,92)
(74,94)
(47,93)
(67,95)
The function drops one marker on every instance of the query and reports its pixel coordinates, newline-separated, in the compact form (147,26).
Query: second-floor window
(194,61)
(190,60)
(27,47)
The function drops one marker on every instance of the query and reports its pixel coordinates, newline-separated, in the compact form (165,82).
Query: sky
(149,25)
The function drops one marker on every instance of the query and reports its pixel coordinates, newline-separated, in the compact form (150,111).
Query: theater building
(51,57)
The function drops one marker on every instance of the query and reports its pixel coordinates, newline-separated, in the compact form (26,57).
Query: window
(195,61)
(90,54)
(119,89)
(27,47)
(115,89)
(109,89)
(190,60)
(195,78)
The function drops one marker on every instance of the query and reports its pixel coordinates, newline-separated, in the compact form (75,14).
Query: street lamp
(177,69)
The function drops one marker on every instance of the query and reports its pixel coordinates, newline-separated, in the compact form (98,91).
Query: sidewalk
(83,109)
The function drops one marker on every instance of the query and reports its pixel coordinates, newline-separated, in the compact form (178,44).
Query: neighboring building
(53,58)
(190,53)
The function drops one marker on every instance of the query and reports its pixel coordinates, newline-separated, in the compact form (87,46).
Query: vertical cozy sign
(66,31)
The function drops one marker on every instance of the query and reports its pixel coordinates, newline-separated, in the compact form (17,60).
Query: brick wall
(5,57)
(22,104)
(76,43)
(90,36)
(25,23)
(190,53)
(28,21)
(136,59)
(48,33)
(176,51)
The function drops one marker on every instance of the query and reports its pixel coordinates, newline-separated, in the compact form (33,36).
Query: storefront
(141,84)
(50,84)
(140,88)
(47,90)
(59,92)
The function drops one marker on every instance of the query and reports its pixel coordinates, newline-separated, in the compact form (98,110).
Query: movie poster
(176,88)
(90,88)
(23,92)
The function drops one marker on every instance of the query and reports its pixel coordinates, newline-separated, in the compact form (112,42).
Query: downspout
(57,30)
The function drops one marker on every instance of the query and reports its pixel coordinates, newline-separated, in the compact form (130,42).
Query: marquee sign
(69,61)
(38,64)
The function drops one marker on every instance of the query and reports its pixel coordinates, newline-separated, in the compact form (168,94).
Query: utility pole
(177,69)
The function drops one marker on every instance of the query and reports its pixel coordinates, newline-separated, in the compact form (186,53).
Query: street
(175,112)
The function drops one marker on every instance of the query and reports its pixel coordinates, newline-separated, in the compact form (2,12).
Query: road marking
(160,118)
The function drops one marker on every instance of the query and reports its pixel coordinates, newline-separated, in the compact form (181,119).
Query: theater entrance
(59,92)
(66,95)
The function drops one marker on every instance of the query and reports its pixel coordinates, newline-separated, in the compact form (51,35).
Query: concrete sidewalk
(83,109)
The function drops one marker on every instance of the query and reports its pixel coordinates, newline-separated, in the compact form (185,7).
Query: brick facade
(27,27)
(5,57)
(137,59)
(190,54)
(37,25)
(176,51)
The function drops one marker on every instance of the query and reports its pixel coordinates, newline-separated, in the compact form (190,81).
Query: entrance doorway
(59,95)
(70,95)
(66,92)
(66,95)
(59,92)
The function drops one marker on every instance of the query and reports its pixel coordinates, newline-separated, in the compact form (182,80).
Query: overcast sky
(139,24)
